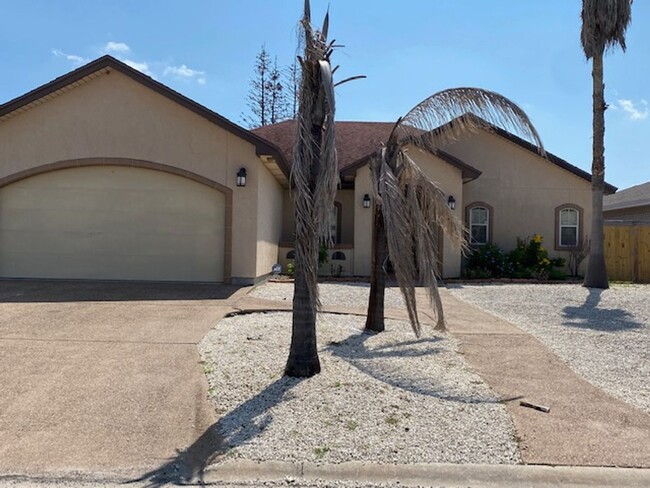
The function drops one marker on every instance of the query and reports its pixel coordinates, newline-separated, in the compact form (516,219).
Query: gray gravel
(382,398)
(604,335)
(349,295)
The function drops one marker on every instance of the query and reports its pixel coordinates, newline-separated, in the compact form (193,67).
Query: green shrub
(488,261)
(291,268)
(556,275)
(323,253)
(530,259)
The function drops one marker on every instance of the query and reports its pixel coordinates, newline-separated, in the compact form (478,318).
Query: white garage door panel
(112,222)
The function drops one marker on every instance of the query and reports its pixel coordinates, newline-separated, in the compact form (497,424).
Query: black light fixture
(451,201)
(241,177)
(366,201)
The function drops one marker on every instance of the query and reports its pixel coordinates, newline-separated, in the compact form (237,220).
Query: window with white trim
(569,229)
(479,222)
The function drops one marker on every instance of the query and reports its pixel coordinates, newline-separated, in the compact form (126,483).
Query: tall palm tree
(604,23)
(315,176)
(410,207)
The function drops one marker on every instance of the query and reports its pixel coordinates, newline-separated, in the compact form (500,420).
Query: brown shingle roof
(354,140)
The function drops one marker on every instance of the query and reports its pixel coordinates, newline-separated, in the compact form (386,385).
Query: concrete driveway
(102,377)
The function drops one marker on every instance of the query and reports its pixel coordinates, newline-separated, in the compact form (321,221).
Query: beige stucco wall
(523,188)
(114,116)
(269,220)
(450,180)
(363,223)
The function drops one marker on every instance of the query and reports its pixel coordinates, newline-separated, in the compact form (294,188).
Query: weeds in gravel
(321,451)
(351,425)
(392,420)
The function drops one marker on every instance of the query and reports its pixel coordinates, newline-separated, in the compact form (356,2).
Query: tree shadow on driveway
(233,429)
(590,316)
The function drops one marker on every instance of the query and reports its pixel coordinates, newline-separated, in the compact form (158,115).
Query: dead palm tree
(410,207)
(315,176)
(604,23)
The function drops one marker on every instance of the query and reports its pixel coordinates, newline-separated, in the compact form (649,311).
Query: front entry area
(112,223)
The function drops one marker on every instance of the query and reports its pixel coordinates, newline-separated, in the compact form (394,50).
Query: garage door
(112,222)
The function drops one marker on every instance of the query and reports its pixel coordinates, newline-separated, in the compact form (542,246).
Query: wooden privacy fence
(627,251)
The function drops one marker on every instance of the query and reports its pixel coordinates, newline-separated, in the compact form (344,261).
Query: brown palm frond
(314,170)
(604,23)
(429,124)
(413,206)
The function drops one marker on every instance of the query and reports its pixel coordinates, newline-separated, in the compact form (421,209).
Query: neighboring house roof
(88,71)
(355,143)
(635,196)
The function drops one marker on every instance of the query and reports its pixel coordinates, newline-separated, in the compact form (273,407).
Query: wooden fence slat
(627,252)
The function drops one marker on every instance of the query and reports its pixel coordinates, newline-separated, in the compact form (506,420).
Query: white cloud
(116,47)
(70,57)
(183,71)
(123,52)
(186,73)
(634,111)
(140,66)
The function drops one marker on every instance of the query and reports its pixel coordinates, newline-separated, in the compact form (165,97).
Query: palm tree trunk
(596,276)
(303,359)
(375,317)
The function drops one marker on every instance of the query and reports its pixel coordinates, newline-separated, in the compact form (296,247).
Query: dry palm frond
(415,207)
(314,170)
(604,23)
(449,114)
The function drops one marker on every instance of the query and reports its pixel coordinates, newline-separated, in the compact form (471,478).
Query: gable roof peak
(91,70)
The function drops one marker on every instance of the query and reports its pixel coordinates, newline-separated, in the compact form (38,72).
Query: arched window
(479,223)
(291,254)
(568,229)
(338,256)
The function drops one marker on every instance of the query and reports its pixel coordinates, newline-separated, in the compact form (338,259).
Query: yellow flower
(537,238)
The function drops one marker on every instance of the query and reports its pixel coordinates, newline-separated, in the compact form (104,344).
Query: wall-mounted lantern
(366,201)
(451,201)
(241,177)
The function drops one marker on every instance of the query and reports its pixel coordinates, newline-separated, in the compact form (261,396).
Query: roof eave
(262,146)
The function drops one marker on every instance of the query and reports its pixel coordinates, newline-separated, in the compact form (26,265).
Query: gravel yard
(348,295)
(382,398)
(604,335)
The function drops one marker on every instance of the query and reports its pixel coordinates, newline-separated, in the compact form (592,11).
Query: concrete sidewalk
(585,426)
(429,475)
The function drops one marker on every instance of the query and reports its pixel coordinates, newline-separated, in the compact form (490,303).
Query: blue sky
(526,50)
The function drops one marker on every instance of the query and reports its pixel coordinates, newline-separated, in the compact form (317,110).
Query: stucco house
(105,173)
(500,186)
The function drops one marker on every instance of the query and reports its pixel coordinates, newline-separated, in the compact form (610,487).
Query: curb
(448,475)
